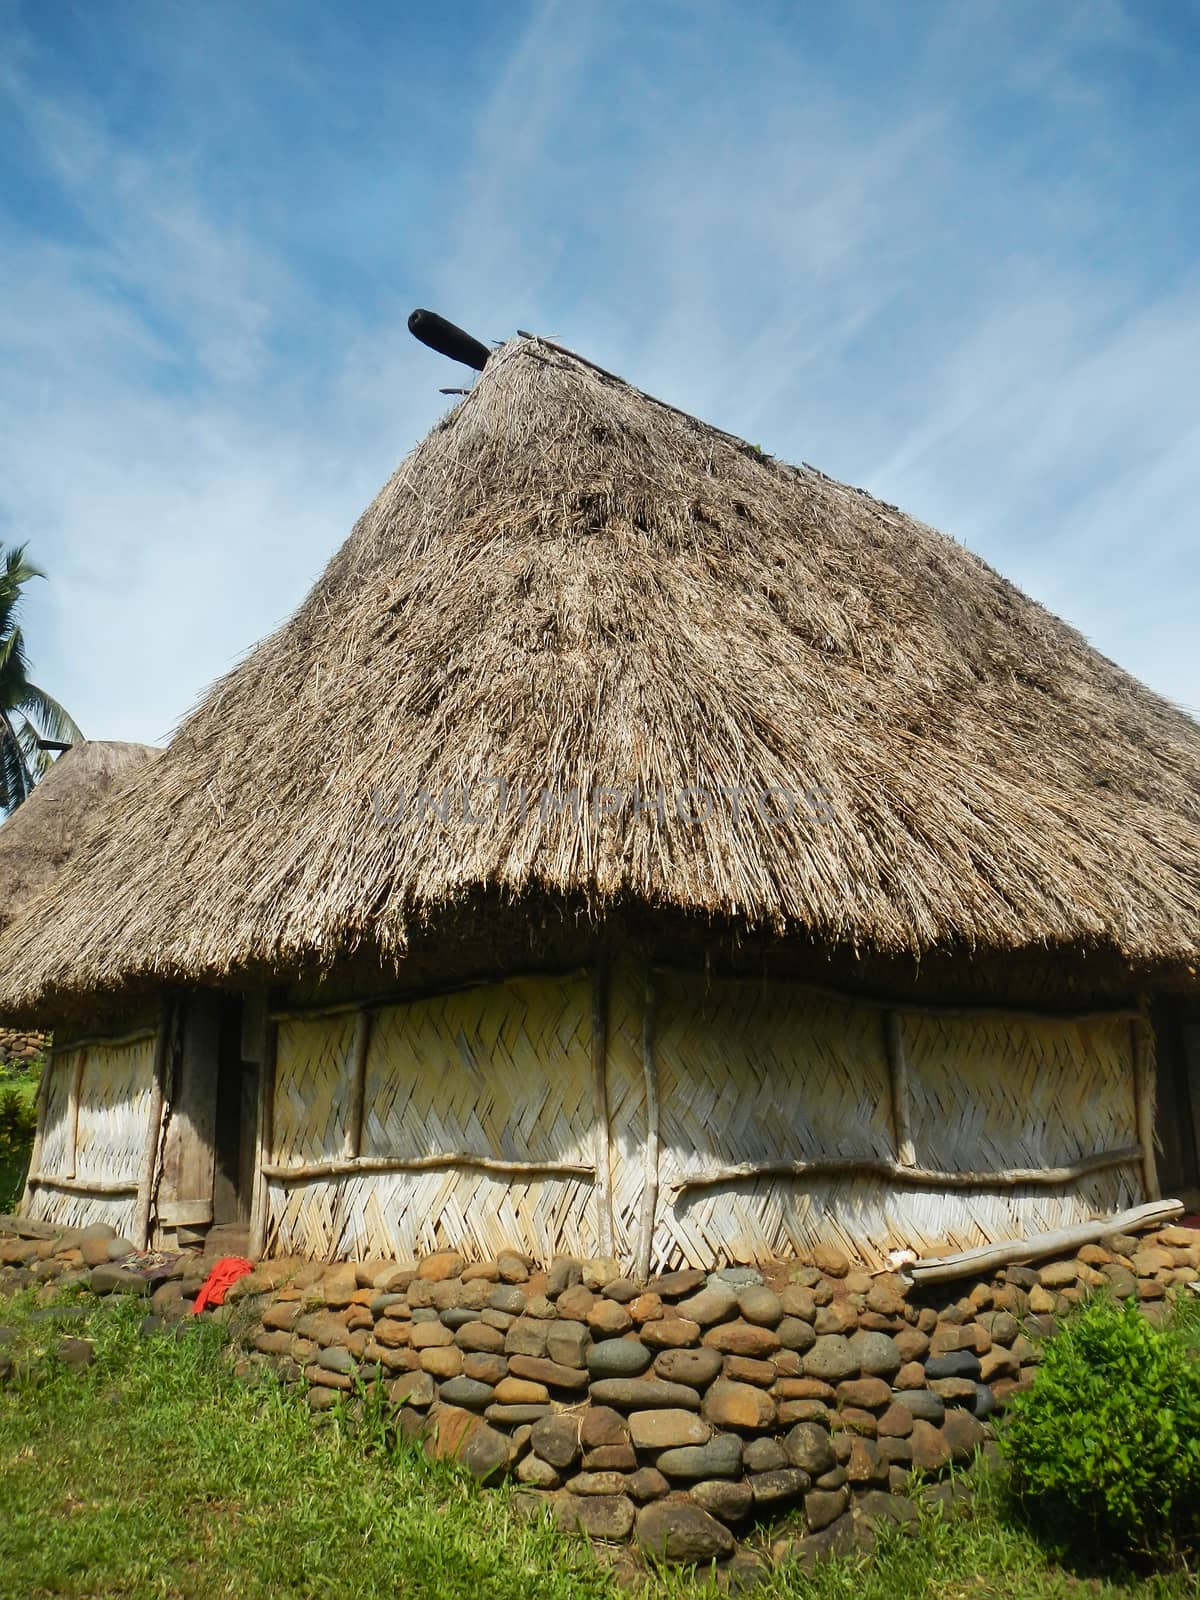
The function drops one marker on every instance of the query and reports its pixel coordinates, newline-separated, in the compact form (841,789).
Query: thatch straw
(42,834)
(570,584)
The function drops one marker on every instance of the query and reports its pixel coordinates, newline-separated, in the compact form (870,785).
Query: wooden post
(1141,1039)
(73,1115)
(154,1117)
(264,1141)
(650,1152)
(893,1038)
(352,1137)
(602,1149)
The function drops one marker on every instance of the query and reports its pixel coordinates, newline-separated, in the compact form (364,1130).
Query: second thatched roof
(570,586)
(44,832)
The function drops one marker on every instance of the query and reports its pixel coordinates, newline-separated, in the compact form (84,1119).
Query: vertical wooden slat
(650,1150)
(264,1138)
(602,1147)
(154,1117)
(73,1114)
(352,1137)
(893,1037)
(1143,1091)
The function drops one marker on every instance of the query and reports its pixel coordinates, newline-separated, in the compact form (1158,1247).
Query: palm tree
(28,714)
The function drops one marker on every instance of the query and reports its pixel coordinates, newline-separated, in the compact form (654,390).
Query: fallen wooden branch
(986,1258)
(48,1180)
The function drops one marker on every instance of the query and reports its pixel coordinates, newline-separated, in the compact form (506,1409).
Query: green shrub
(1105,1444)
(18,1120)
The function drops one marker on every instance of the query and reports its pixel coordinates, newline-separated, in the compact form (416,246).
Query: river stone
(507,1297)
(954,1364)
(511,1391)
(738,1405)
(108,1278)
(795,1334)
(552,1373)
(671,1333)
(963,1434)
(567,1343)
(772,1489)
(877,1354)
(809,1447)
(77,1353)
(607,1319)
(564,1273)
(336,1359)
(601,1426)
(468,1393)
(761,1305)
(597,1483)
(674,1285)
(537,1474)
(921,1403)
(721,1457)
(930,1450)
(511,1267)
(575,1303)
(763,1455)
(556,1440)
(526,1337)
(742,1339)
(478,1337)
(643,1394)
(714,1303)
(430,1335)
(877,1508)
(679,1531)
(515,1416)
(622,1290)
(729,1499)
(607,1516)
(647,1483)
(872,1394)
(696,1368)
(823,1506)
(413,1389)
(618,1358)
(667,1429)
(832,1358)
(440,1266)
(737,1277)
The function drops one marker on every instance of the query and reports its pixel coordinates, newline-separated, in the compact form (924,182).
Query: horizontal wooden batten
(105,1041)
(49,1180)
(918,1177)
(308,1171)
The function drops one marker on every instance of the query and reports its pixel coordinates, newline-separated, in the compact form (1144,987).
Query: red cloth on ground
(225,1272)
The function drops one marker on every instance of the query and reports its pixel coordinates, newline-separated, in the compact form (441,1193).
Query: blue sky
(948,251)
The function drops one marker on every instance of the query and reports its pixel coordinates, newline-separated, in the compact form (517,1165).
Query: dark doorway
(1177,1050)
(237,1107)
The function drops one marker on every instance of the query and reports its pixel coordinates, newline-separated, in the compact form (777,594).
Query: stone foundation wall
(682,1412)
(18,1045)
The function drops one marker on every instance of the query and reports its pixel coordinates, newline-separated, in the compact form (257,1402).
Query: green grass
(157,1473)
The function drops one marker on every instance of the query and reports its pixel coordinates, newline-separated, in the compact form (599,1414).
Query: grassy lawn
(156,1473)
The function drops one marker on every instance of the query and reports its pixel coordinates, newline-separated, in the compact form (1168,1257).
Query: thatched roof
(570,584)
(42,835)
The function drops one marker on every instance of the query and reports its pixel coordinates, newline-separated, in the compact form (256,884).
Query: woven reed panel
(626,1103)
(312,1061)
(501,1071)
(56,1124)
(762,1073)
(114,1103)
(993,1092)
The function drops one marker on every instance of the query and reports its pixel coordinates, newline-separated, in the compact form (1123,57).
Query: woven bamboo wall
(109,1132)
(747,1074)
(766,1075)
(501,1072)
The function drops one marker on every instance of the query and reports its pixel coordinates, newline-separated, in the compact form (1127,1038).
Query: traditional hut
(636,846)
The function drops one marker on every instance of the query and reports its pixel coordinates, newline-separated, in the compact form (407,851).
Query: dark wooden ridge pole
(448,340)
